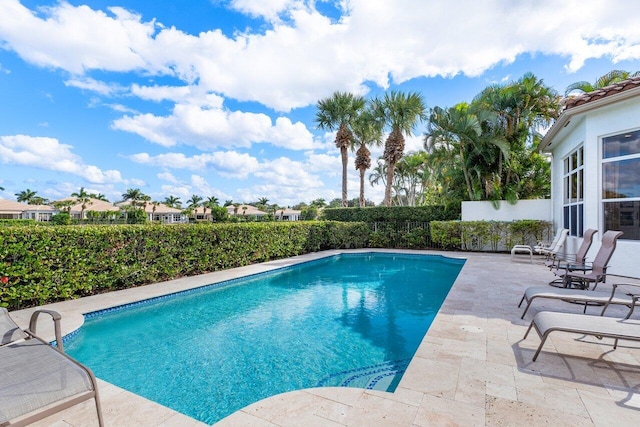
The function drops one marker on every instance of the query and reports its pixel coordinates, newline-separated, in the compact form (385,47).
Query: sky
(218,97)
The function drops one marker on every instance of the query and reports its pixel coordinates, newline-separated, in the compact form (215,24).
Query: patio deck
(472,368)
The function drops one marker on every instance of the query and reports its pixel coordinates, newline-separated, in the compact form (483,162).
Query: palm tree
(605,80)
(454,130)
(26,196)
(194,202)
(172,201)
(213,201)
(228,203)
(84,199)
(155,205)
(99,196)
(319,203)
(367,131)
(82,193)
(337,113)
(401,112)
(134,195)
(262,203)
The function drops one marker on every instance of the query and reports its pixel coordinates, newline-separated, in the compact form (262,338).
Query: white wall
(589,129)
(524,209)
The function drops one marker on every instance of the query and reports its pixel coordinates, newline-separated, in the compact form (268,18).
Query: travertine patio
(472,368)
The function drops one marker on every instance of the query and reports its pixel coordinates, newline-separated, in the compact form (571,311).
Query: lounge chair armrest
(56,325)
(585,266)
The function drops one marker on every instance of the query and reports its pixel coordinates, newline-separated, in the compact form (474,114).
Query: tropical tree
(83,198)
(213,201)
(262,203)
(522,108)
(99,196)
(319,203)
(172,202)
(228,203)
(367,131)
(134,195)
(64,205)
(338,112)
(612,77)
(401,113)
(26,196)
(455,130)
(194,202)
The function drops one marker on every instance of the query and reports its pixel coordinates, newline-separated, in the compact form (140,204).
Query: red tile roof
(613,89)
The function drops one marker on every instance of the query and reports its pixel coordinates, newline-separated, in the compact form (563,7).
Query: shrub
(62,218)
(477,235)
(39,265)
(392,214)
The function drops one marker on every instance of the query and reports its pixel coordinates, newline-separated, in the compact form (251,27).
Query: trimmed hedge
(392,214)
(488,235)
(40,265)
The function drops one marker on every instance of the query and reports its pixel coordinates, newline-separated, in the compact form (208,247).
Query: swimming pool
(351,319)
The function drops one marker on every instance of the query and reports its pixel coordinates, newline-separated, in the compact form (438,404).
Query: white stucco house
(595,172)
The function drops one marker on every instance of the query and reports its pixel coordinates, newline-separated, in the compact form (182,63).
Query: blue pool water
(352,320)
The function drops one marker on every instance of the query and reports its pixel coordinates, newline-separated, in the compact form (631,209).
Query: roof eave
(565,118)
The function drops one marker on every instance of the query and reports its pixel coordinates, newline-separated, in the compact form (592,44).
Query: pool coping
(442,383)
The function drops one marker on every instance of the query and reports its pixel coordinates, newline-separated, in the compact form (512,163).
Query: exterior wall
(605,121)
(524,209)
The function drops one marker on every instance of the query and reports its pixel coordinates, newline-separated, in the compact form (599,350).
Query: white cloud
(228,164)
(207,128)
(167,176)
(93,85)
(48,153)
(306,56)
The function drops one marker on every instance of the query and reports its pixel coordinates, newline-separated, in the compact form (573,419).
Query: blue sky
(217,97)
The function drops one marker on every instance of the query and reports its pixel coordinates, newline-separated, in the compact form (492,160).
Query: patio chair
(583,275)
(36,378)
(543,248)
(546,322)
(560,261)
(586,297)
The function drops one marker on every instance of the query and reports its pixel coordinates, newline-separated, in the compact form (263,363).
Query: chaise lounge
(36,378)
(586,297)
(547,322)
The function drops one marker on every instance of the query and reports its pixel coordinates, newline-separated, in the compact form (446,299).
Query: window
(621,184)
(573,203)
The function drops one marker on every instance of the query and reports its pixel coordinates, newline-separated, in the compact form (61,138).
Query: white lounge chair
(37,379)
(543,248)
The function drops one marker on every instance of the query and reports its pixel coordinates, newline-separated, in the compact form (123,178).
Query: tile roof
(610,90)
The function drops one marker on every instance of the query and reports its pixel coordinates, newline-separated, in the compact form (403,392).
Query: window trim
(601,178)
(569,171)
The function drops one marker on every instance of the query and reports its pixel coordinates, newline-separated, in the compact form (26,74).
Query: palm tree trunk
(466,174)
(345,160)
(391,168)
(362,172)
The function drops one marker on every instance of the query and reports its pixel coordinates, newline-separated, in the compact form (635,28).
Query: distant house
(288,215)
(91,205)
(245,211)
(595,148)
(159,212)
(15,210)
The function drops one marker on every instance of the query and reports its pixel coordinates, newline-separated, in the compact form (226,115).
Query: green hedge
(392,214)
(40,265)
(488,235)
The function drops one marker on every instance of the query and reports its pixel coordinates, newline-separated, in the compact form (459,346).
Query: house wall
(540,209)
(589,131)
